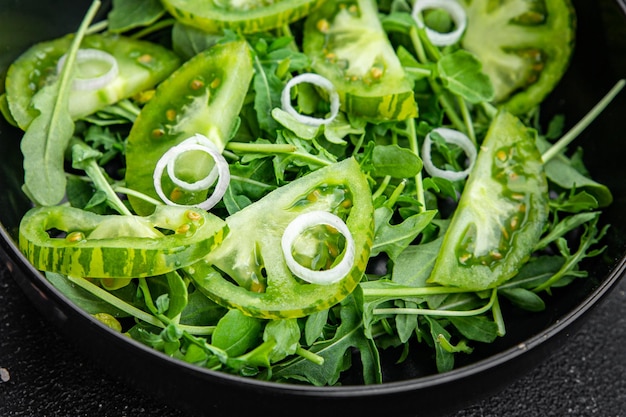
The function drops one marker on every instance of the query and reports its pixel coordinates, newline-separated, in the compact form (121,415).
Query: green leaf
(285,334)
(302,130)
(443,356)
(200,310)
(188,41)
(414,265)
(86,300)
(566,225)
(524,299)
(395,162)
(314,326)
(560,171)
(130,14)
(236,333)
(461,73)
(478,328)
(47,137)
(393,239)
(44,144)
(336,353)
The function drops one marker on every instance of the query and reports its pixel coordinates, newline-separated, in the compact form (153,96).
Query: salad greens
(436,260)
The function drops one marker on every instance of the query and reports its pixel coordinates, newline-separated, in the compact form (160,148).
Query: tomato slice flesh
(204,96)
(501,213)
(247,16)
(348,45)
(532,49)
(142,65)
(259,282)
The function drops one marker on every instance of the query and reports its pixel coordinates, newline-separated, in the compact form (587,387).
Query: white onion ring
(457,13)
(318,81)
(96,83)
(220,171)
(297,227)
(457,138)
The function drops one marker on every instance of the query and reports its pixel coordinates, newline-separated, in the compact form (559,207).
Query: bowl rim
(483,365)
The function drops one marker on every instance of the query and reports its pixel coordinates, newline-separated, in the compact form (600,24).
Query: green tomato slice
(204,96)
(530,51)
(245,16)
(248,270)
(501,213)
(141,64)
(348,45)
(113,246)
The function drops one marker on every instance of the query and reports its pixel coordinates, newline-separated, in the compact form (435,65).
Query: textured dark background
(42,375)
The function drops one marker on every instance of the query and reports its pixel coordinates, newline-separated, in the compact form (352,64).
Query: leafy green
(130,14)
(48,135)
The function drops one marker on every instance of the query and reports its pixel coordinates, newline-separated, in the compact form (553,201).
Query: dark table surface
(43,375)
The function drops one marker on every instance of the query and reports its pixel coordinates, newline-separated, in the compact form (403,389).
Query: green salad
(285,189)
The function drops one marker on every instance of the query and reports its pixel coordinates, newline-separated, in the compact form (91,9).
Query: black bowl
(599,61)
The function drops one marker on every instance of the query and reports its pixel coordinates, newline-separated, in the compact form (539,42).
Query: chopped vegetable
(348,45)
(220,171)
(343,220)
(456,13)
(204,96)
(501,214)
(141,66)
(317,81)
(98,246)
(87,58)
(530,52)
(257,278)
(247,16)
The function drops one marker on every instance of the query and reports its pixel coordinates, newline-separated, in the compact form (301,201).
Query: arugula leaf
(47,137)
(394,161)
(393,239)
(334,351)
(461,73)
(236,333)
(129,14)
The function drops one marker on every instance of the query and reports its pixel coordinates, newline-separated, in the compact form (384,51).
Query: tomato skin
(501,213)
(214,18)
(348,45)
(113,246)
(142,65)
(247,260)
(204,96)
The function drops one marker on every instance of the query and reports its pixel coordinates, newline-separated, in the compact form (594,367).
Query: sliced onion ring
(318,81)
(96,83)
(220,171)
(457,138)
(297,227)
(457,13)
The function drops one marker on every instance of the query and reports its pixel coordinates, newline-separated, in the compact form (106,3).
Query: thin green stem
(441,313)
(573,133)
(467,118)
(419,186)
(381,188)
(116,302)
(154,28)
(129,191)
(410,291)
(443,99)
(97,27)
(310,356)
(424,72)
(94,171)
(270,148)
